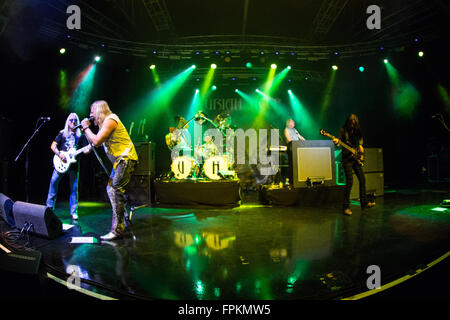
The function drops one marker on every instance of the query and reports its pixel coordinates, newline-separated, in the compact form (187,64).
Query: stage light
(248,65)
(197,52)
(213,87)
(155,52)
(273,66)
(335,67)
(152,67)
(292,53)
(336,53)
(262,52)
(193,66)
(236,90)
(97,58)
(289,91)
(277,53)
(62,50)
(213,66)
(289,67)
(420,54)
(361,69)
(385,61)
(197,90)
(217,52)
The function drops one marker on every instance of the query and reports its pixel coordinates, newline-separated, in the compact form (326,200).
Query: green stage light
(152,67)
(213,87)
(289,67)
(273,66)
(248,65)
(289,91)
(335,67)
(97,58)
(62,50)
(420,54)
(361,69)
(385,61)
(236,90)
(213,66)
(193,66)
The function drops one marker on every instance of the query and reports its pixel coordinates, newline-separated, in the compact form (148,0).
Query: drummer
(206,150)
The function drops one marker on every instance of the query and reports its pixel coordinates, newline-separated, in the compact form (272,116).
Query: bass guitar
(357,155)
(70,155)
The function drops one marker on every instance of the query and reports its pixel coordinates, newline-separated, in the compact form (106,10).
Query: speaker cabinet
(140,190)
(146,161)
(40,220)
(374,184)
(373,160)
(312,162)
(6,210)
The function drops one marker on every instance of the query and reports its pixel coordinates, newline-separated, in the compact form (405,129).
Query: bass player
(351,135)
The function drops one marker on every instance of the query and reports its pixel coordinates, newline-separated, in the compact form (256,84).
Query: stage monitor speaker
(40,219)
(6,212)
(146,162)
(313,163)
(374,184)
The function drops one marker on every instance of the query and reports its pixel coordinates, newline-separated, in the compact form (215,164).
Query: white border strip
(396,282)
(79,289)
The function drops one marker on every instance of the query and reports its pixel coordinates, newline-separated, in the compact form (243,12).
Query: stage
(250,252)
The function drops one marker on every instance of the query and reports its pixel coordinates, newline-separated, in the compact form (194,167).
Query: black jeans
(350,166)
(118,180)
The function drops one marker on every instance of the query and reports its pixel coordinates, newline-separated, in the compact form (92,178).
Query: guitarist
(68,138)
(351,135)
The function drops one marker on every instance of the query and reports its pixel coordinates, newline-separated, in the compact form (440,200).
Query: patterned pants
(118,180)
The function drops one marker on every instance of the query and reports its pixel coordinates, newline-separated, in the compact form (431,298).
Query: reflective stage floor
(253,251)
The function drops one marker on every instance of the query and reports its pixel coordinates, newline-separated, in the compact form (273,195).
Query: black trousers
(350,166)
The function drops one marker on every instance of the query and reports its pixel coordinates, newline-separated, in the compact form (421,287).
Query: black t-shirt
(351,139)
(64,144)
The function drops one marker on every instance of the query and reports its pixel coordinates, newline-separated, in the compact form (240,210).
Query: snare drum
(213,165)
(183,167)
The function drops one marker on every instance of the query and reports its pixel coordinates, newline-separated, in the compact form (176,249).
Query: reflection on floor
(252,251)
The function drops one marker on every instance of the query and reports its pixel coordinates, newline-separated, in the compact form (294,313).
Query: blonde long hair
(102,110)
(66,130)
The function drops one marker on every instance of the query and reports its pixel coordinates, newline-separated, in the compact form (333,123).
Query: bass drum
(213,166)
(183,167)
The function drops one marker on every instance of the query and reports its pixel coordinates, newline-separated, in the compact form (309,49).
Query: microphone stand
(27,157)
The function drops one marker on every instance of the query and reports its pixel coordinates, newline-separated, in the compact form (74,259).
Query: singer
(68,138)
(121,152)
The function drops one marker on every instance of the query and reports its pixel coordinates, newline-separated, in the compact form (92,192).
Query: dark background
(30,66)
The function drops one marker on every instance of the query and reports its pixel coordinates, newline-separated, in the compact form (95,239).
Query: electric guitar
(357,155)
(63,166)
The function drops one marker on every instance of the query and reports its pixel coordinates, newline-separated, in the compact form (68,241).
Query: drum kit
(215,166)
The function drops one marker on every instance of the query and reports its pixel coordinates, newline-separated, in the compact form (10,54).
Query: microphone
(45,118)
(91,120)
